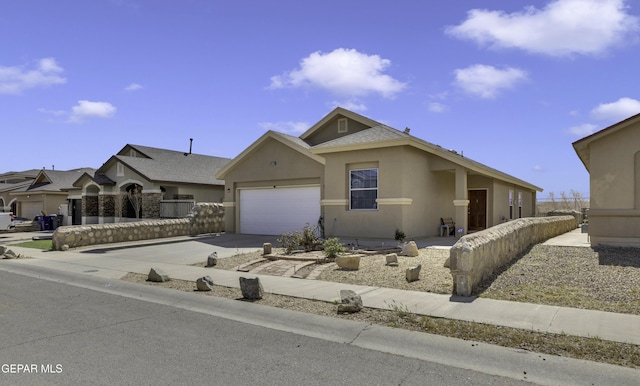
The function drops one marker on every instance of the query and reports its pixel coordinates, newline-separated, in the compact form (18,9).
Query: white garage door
(278,210)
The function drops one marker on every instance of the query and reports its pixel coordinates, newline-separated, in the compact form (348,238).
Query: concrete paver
(114,262)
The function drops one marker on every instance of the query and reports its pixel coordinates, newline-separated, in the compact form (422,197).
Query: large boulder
(251,288)
(410,249)
(348,262)
(350,302)
(157,275)
(413,273)
(204,283)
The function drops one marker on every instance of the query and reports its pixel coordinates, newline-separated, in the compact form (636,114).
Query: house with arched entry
(13,182)
(142,182)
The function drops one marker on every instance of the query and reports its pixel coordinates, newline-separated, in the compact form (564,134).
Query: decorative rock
(157,275)
(447,263)
(413,273)
(64,248)
(350,302)
(9,254)
(266,248)
(212,260)
(251,288)
(410,249)
(204,283)
(3,249)
(392,260)
(349,262)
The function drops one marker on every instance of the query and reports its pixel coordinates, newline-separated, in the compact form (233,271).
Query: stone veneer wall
(476,256)
(204,218)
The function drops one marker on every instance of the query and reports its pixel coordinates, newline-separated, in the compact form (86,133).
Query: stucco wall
(476,256)
(205,218)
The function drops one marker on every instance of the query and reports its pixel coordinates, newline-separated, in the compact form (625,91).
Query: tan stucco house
(365,179)
(12,182)
(142,182)
(612,158)
(47,192)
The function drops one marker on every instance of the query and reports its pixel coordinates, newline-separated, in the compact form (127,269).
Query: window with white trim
(363,189)
(511,205)
(519,204)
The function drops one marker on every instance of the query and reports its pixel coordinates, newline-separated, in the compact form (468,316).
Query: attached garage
(275,211)
(31,209)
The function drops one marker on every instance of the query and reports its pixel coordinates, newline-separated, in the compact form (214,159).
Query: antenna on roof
(190,146)
(407,130)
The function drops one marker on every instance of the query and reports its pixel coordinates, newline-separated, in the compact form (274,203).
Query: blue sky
(510,84)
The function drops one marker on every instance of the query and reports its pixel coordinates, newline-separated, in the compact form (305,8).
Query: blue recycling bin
(42,221)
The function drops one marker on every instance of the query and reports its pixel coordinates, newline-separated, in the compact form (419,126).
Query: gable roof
(334,113)
(294,143)
(385,136)
(582,146)
(55,181)
(161,165)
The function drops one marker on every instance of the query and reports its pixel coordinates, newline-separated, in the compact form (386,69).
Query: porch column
(461,202)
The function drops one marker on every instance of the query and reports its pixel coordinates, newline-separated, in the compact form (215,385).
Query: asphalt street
(60,334)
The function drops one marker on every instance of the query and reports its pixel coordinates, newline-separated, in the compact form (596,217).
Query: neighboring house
(10,182)
(141,182)
(612,158)
(47,192)
(366,180)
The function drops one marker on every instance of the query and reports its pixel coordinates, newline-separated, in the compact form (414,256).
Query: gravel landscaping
(604,279)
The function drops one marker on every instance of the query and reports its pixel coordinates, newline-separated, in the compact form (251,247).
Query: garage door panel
(279,210)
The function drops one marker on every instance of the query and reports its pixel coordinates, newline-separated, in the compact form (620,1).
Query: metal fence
(175,208)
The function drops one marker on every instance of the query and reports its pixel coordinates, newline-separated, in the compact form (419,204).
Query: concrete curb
(489,359)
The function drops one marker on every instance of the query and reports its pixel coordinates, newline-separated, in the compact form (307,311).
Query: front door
(477,210)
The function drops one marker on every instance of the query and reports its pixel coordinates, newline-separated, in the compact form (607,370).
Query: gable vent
(343,125)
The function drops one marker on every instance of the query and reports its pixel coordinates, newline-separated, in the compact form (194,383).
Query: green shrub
(400,236)
(333,247)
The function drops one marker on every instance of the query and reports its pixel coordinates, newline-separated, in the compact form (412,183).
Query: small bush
(400,236)
(309,239)
(333,247)
(289,241)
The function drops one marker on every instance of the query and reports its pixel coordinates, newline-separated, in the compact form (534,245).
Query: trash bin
(53,221)
(41,221)
(60,218)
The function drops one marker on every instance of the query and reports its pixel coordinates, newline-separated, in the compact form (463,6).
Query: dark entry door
(477,210)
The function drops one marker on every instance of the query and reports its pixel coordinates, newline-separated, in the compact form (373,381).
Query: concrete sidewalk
(174,257)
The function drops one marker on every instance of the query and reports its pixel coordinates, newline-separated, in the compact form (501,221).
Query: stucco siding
(612,169)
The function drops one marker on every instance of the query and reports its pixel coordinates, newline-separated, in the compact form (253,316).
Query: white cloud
(344,72)
(487,81)
(88,109)
(538,168)
(582,130)
(436,107)
(14,80)
(288,127)
(562,27)
(133,87)
(616,111)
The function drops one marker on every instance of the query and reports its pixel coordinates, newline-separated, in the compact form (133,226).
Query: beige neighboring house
(612,158)
(47,192)
(365,179)
(11,182)
(142,182)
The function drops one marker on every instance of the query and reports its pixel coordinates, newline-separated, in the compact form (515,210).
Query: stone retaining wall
(476,256)
(204,218)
